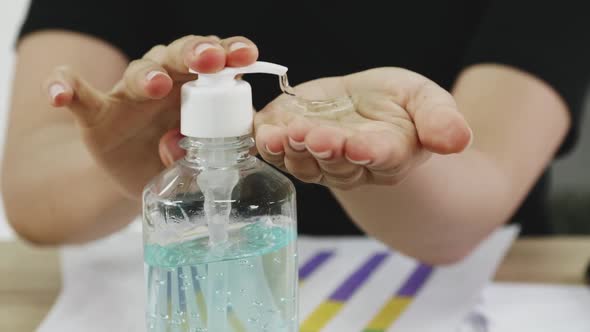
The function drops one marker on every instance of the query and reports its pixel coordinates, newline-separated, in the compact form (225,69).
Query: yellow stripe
(201,306)
(235,323)
(233,318)
(321,316)
(389,313)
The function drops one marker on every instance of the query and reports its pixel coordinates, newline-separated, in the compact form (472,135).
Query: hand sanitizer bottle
(219,227)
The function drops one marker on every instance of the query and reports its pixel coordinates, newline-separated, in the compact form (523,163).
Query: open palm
(380,124)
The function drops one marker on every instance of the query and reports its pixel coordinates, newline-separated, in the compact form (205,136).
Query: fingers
(240,51)
(205,54)
(160,54)
(327,146)
(153,76)
(269,143)
(441,128)
(144,80)
(270,132)
(279,149)
(169,149)
(311,153)
(334,157)
(298,160)
(381,151)
(66,89)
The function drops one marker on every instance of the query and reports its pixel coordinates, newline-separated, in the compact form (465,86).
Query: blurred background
(570,198)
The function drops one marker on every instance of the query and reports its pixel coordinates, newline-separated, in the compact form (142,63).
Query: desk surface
(30,277)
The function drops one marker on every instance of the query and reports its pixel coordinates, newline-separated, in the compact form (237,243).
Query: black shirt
(316,39)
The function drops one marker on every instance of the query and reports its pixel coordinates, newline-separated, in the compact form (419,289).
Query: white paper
(535,307)
(103,286)
(443,303)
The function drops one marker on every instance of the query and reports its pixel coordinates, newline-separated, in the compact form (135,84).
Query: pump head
(219,105)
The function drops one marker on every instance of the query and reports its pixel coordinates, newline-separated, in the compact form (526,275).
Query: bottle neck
(217,152)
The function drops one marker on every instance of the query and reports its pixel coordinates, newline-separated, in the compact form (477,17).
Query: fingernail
(297,146)
(203,47)
(272,152)
(56,89)
(358,162)
(237,46)
(320,155)
(152,74)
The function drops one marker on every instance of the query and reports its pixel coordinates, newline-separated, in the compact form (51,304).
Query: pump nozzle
(229,73)
(218,105)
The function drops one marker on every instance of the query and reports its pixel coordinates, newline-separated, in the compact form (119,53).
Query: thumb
(169,149)
(66,89)
(441,127)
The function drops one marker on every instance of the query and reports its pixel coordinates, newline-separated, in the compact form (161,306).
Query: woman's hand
(398,118)
(125,127)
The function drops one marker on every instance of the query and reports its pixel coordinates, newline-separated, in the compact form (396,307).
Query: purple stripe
(314,263)
(355,280)
(415,281)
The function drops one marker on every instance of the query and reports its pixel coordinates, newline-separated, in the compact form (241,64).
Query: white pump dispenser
(219,105)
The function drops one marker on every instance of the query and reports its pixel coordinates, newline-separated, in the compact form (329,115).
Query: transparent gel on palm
(220,239)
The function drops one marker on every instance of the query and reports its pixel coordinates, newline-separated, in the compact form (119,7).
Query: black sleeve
(128,25)
(549,39)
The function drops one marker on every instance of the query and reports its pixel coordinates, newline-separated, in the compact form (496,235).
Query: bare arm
(397,160)
(446,206)
(53,190)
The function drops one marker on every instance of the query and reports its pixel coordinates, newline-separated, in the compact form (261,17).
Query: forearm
(55,193)
(448,205)
(440,212)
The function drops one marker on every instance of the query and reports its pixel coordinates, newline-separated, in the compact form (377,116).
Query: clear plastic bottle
(220,225)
